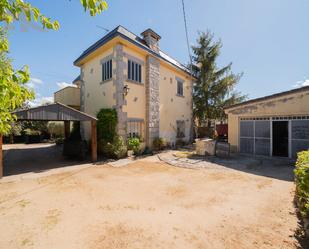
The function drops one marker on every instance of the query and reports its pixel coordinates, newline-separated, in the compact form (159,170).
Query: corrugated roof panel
(53,112)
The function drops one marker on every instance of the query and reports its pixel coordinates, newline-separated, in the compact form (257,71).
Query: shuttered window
(107,70)
(134,71)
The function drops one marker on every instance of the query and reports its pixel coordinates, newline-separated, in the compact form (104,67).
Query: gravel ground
(151,204)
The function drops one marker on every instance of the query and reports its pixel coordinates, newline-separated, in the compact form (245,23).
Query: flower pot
(130,153)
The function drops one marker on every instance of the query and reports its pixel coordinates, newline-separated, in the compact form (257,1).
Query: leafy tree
(213,89)
(13,90)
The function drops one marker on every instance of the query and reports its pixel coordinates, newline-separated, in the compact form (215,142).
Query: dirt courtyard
(147,204)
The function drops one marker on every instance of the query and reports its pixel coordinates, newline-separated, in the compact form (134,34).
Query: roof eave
(115,34)
(265,98)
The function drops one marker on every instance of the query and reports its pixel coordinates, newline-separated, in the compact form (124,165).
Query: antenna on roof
(100,27)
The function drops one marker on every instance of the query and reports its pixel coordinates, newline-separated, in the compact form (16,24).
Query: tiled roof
(126,34)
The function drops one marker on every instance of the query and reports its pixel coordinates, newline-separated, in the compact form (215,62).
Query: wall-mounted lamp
(126,90)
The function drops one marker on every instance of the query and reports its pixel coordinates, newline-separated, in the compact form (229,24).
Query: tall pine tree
(214,88)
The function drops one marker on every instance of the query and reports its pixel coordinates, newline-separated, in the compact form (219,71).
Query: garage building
(275,125)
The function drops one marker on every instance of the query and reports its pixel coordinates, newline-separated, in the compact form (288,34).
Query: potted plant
(133,146)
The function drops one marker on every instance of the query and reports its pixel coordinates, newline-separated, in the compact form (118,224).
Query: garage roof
(301,89)
(53,112)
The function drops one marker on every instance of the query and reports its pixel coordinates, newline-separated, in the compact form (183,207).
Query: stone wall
(152,99)
(119,78)
(152,43)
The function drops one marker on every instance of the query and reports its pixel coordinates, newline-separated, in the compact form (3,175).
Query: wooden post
(94,141)
(66,129)
(1,158)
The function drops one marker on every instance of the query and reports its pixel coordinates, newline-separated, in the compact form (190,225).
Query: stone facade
(152,39)
(118,81)
(152,43)
(152,99)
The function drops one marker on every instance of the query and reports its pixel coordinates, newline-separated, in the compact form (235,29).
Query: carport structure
(57,112)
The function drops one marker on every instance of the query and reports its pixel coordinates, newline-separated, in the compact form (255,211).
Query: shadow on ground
(35,158)
(300,236)
(278,168)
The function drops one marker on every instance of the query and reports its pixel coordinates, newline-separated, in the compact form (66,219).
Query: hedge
(302,182)
(106,124)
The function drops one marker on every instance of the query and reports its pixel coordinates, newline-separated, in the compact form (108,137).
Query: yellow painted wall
(173,107)
(170,111)
(69,96)
(136,98)
(295,104)
(97,95)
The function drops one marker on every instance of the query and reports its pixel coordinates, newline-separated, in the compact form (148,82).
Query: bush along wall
(110,144)
(302,186)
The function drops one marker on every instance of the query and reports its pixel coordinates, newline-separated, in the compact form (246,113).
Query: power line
(100,27)
(187,36)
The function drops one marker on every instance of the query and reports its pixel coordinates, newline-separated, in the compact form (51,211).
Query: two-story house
(151,92)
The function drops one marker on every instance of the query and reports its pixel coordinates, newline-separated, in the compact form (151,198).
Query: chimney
(152,39)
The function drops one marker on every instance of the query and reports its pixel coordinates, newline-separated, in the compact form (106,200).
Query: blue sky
(267,40)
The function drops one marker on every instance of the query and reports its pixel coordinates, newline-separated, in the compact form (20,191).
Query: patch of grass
(185,154)
(52,219)
(26,242)
(23,203)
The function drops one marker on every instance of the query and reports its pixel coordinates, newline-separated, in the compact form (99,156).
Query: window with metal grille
(107,70)
(134,71)
(135,129)
(179,88)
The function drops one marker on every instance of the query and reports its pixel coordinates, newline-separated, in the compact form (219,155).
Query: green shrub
(115,149)
(56,128)
(105,148)
(59,140)
(119,146)
(302,182)
(75,132)
(106,124)
(134,144)
(29,132)
(158,143)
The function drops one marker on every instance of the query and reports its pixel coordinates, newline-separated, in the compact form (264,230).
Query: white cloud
(64,84)
(41,101)
(33,82)
(302,83)
(36,81)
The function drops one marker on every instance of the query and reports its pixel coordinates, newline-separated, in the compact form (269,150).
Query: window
(135,128)
(180,128)
(107,70)
(134,71)
(179,88)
